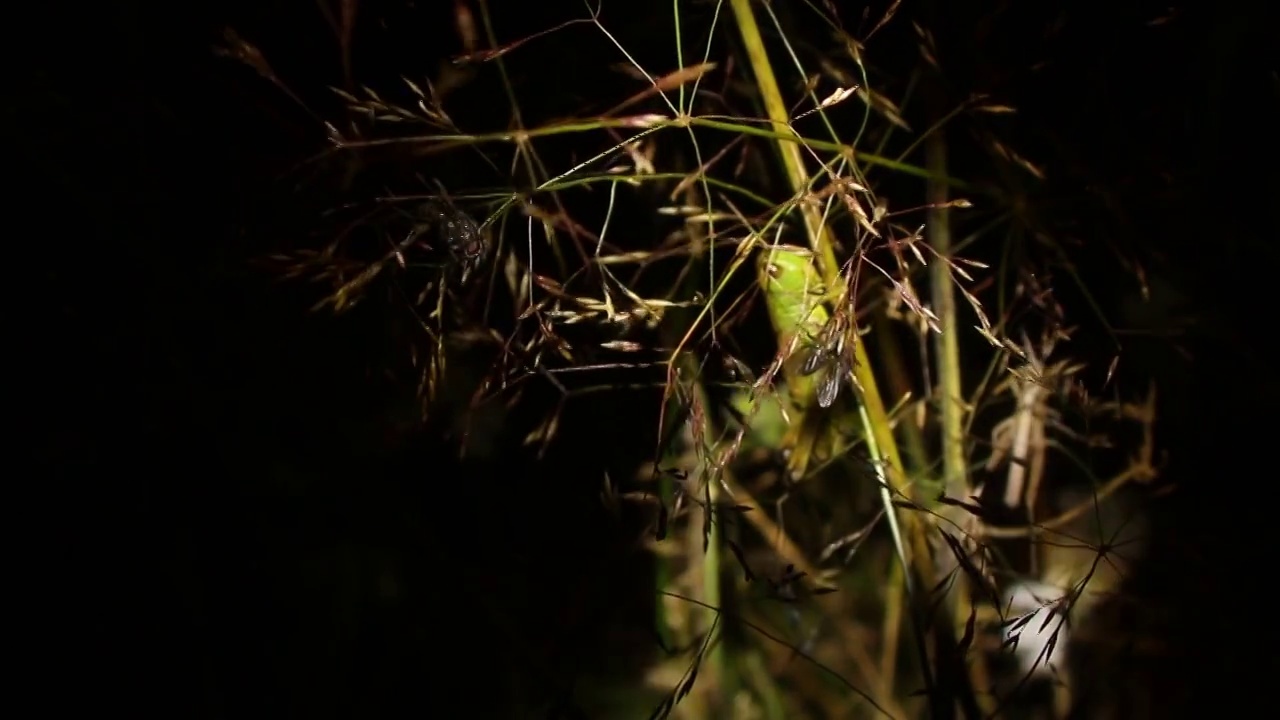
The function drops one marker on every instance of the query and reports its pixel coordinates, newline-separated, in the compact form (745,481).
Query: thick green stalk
(820,240)
(879,432)
(792,161)
(818,234)
(951,393)
(946,344)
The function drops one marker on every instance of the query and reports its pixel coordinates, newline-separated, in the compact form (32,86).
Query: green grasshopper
(815,344)
(795,293)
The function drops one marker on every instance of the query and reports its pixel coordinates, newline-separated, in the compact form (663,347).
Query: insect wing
(829,386)
(837,364)
(817,357)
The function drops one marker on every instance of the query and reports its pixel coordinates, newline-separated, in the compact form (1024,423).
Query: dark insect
(458,233)
(831,354)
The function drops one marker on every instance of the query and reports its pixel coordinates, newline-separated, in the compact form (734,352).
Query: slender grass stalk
(440,142)
(716,688)
(789,152)
(946,343)
(913,441)
(950,399)
(533,165)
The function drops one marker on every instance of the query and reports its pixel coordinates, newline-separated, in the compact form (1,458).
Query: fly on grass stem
(832,355)
(458,233)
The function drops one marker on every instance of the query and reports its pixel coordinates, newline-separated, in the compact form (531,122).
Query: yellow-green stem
(945,344)
(879,434)
(950,395)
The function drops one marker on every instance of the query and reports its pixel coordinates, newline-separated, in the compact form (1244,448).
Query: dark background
(225,497)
